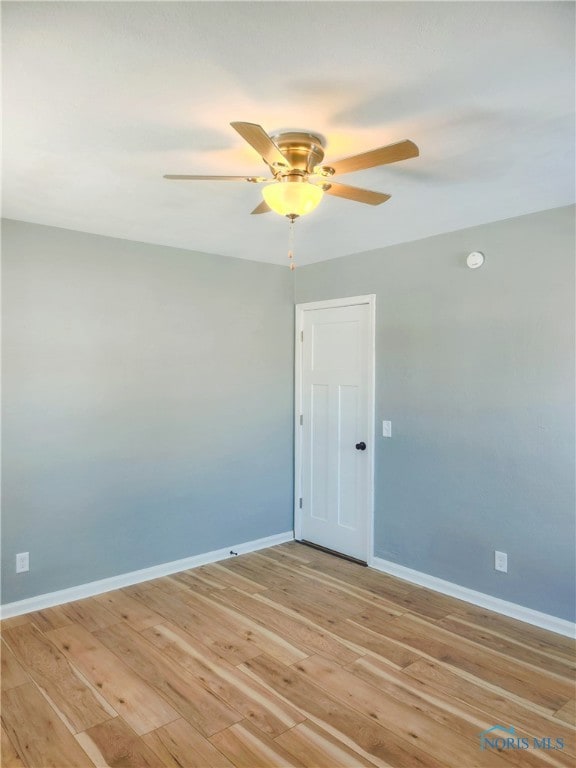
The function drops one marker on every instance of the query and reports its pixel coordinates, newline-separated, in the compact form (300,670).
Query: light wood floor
(286,657)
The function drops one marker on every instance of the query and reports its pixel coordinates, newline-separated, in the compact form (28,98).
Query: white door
(334,426)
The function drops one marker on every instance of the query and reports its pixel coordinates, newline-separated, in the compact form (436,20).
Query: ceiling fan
(299,179)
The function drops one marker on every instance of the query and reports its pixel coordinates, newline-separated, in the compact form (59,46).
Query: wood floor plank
(495,702)
(558,683)
(277,575)
(306,606)
(128,609)
(15,621)
(459,718)
(420,599)
(56,677)
(367,596)
(246,747)
(139,704)
(179,745)
(302,633)
(212,633)
(316,748)
(200,706)
(356,638)
(381,744)
(50,618)
(90,613)
(173,585)
(267,711)
(254,571)
(225,578)
(527,681)
(270,562)
(139,590)
(330,591)
(417,602)
(436,736)
(189,580)
(336,601)
(299,581)
(248,629)
(376,644)
(203,574)
(9,756)
(502,645)
(183,648)
(114,743)
(526,634)
(567,713)
(352,573)
(12,672)
(290,552)
(37,733)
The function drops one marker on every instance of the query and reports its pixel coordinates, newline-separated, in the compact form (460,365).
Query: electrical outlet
(501,561)
(22,562)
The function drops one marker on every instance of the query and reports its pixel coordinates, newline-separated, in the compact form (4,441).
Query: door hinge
(301,335)
(301,419)
(300,502)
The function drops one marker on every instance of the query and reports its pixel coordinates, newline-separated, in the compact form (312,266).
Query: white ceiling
(101,99)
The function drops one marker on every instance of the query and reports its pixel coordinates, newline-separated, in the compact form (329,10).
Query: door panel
(348,457)
(334,344)
(336,394)
(319,442)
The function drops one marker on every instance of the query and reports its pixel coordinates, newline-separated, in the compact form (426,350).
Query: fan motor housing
(302,150)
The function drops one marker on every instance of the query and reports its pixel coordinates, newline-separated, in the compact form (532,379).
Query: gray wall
(147,401)
(148,404)
(475,368)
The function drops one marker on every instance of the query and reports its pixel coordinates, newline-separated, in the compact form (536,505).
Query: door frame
(370,300)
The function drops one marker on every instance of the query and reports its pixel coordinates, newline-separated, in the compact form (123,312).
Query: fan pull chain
(291,243)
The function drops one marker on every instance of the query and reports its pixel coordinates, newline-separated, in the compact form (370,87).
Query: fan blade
(392,153)
(262,208)
(354,193)
(254,179)
(257,137)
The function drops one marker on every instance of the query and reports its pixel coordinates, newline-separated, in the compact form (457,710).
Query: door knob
(361,446)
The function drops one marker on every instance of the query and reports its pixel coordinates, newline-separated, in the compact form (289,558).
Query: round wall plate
(475,259)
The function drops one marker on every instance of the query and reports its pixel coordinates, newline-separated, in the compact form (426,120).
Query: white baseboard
(51,599)
(515,611)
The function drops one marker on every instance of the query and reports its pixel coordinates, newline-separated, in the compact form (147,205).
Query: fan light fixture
(292,198)
(292,157)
